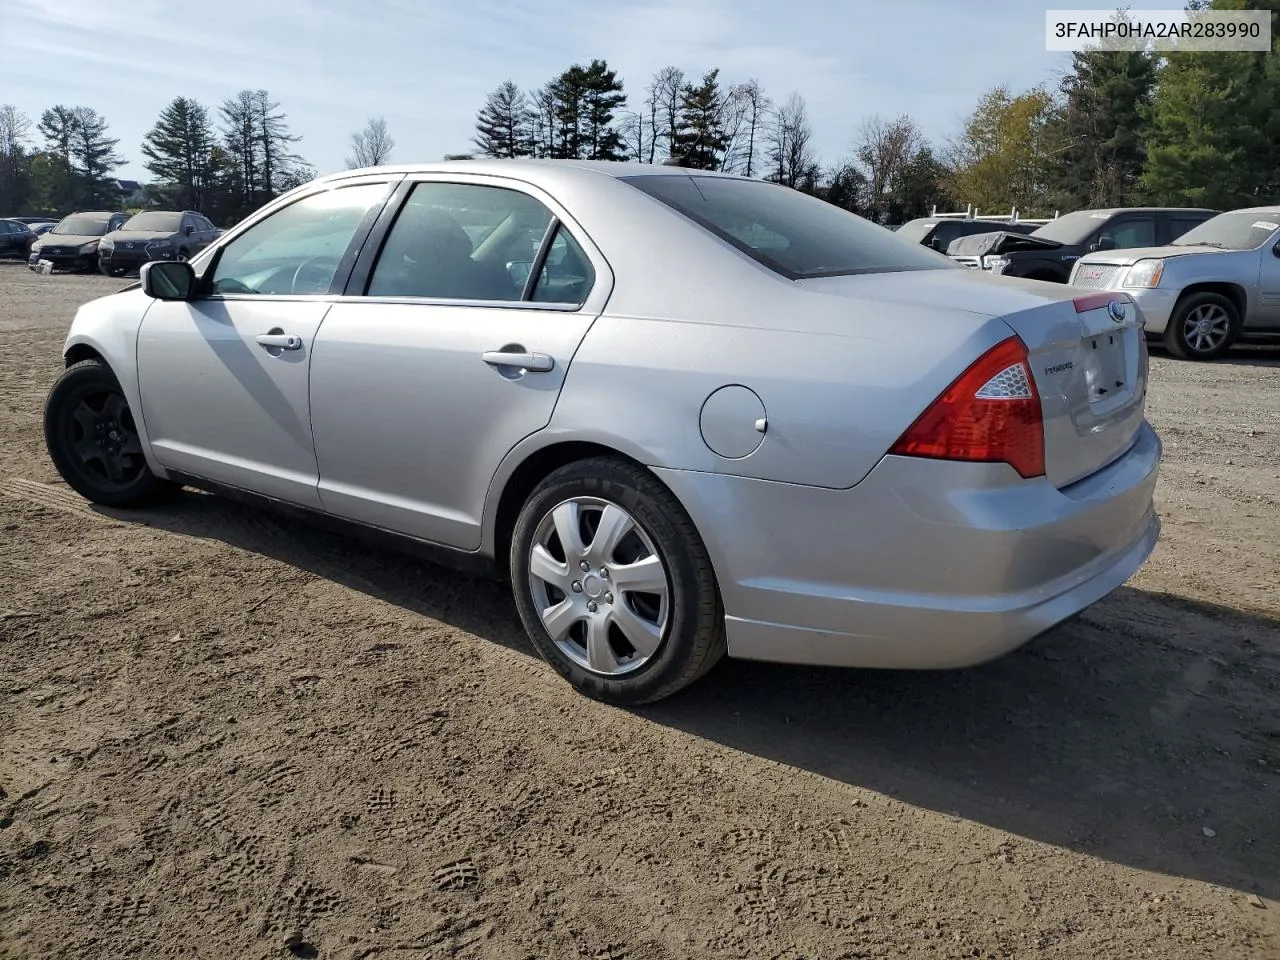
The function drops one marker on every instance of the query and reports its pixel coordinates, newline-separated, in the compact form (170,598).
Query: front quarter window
(297,250)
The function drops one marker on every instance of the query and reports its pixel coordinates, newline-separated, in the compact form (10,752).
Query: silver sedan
(685,413)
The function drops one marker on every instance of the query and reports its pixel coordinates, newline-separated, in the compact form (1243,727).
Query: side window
(567,276)
(6,227)
(1138,232)
(457,241)
(296,250)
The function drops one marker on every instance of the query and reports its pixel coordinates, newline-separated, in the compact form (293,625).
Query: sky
(427,65)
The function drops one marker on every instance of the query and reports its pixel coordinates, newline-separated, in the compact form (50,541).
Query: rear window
(789,232)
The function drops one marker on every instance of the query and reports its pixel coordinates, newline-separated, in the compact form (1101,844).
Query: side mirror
(189,230)
(168,280)
(1103,243)
(1276,249)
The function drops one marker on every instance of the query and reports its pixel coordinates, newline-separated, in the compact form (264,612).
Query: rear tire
(1203,326)
(93,441)
(666,598)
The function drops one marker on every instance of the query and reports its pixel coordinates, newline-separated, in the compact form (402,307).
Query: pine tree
(94,156)
(58,127)
(700,137)
(274,138)
(1215,124)
(239,135)
(1104,125)
(602,98)
(179,151)
(504,124)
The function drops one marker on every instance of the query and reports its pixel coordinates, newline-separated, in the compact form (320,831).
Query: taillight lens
(990,414)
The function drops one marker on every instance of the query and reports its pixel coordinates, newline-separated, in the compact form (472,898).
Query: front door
(454,352)
(223,379)
(1267,315)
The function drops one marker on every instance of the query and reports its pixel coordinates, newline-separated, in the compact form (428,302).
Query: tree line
(1117,128)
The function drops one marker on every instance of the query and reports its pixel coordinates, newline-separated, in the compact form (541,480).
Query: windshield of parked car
(916,230)
(154,222)
(1073,228)
(787,231)
(1241,230)
(80,227)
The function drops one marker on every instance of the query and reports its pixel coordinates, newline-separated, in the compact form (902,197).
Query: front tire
(93,440)
(1203,327)
(613,584)
(110,271)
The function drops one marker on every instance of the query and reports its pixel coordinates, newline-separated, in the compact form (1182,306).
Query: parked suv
(1049,252)
(73,243)
(1213,286)
(154,235)
(939,232)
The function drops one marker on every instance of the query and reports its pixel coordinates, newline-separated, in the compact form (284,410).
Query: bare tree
(789,139)
(743,123)
(372,146)
(885,149)
(666,94)
(15,130)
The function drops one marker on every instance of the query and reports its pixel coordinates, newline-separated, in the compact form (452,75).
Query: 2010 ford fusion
(686,413)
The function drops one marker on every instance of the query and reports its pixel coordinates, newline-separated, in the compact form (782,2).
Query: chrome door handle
(533,362)
(280,341)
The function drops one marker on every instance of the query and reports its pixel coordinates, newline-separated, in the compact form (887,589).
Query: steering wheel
(329,266)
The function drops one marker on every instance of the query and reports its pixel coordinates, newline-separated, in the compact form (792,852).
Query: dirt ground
(224,735)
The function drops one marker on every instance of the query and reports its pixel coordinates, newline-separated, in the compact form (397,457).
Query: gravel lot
(223,735)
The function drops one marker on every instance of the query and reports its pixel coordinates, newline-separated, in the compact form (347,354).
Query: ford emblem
(1117,311)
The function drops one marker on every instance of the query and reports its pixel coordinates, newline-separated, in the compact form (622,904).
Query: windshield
(74,226)
(916,230)
(1233,231)
(1073,228)
(793,234)
(154,222)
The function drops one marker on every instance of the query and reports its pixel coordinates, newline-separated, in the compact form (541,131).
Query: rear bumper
(922,565)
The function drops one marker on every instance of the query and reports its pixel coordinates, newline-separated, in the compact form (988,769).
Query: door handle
(280,341)
(533,362)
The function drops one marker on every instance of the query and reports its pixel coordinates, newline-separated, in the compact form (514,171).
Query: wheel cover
(599,585)
(103,438)
(1206,328)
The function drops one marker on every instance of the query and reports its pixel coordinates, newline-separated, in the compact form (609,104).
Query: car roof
(1258,211)
(1112,211)
(509,167)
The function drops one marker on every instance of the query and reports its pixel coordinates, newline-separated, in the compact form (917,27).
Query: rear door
(413,401)
(10,238)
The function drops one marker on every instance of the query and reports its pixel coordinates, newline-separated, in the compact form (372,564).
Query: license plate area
(1107,373)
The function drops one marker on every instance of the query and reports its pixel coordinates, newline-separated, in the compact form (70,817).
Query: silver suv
(1217,284)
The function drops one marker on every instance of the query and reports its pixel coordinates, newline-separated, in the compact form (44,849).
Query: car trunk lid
(1089,362)
(1090,369)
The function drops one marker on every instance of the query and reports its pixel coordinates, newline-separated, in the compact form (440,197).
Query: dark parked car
(16,239)
(1049,252)
(939,232)
(73,243)
(154,235)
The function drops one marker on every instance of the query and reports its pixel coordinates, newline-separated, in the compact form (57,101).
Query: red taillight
(990,414)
